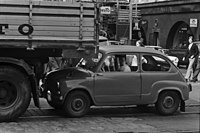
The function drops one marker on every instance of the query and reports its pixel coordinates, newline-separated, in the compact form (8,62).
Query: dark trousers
(197,70)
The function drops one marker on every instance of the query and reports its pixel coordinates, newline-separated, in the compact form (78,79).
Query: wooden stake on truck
(31,32)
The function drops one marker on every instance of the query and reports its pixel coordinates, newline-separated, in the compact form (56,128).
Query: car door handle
(99,74)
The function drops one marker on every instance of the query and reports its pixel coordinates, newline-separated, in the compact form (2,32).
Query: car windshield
(89,63)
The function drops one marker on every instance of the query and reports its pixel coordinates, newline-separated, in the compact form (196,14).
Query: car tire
(168,103)
(15,93)
(77,104)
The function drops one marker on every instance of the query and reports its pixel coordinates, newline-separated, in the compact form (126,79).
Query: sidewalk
(194,98)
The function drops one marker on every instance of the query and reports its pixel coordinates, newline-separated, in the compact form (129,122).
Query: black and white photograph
(99,66)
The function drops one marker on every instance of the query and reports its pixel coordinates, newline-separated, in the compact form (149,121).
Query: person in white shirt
(125,67)
(192,55)
(140,42)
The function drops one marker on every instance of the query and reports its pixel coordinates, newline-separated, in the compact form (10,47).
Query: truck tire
(168,103)
(15,93)
(77,104)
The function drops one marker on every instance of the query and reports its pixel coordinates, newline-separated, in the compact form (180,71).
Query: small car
(181,54)
(174,59)
(148,77)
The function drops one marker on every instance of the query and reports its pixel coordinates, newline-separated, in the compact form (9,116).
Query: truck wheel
(168,102)
(55,105)
(15,93)
(77,104)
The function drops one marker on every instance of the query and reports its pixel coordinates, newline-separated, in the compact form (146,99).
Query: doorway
(178,36)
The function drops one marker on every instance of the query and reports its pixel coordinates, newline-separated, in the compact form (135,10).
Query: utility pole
(131,17)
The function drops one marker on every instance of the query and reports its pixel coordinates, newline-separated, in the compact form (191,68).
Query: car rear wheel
(77,104)
(168,103)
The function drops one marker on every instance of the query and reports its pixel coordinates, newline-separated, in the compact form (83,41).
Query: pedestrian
(197,69)
(192,54)
(140,42)
(125,67)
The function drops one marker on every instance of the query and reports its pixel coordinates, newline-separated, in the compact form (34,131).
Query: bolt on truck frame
(31,31)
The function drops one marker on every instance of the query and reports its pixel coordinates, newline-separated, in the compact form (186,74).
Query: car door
(114,87)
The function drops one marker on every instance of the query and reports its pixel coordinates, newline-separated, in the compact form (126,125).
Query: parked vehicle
(31,32)
(181,54)
(174,59)
(152,79)
(104,42)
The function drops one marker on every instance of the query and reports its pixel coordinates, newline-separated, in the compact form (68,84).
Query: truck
(33,31)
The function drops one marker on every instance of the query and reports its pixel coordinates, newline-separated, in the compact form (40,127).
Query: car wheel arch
(80,89)
(169,89)
(160,87)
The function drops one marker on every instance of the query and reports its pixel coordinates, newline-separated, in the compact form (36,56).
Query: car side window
(154,63)
(120,62)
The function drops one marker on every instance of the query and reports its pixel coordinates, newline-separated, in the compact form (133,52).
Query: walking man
(192,54)
(197,69)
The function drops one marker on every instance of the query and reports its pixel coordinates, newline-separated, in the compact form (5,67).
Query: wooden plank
(52,33)
(62,4)
(51,11)
(15,2)
(66,19)
(53,28)
(66,29)
(47,11)
(54,23)
(46,21)
(14,10)
(61,34)
(40,44)
(45,3)
(46,38)
(13,18)
(44,18)
(14,22)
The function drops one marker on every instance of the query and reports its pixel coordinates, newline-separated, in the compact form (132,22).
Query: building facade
(168,23)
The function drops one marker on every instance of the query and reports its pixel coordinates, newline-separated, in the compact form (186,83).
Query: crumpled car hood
(71,72)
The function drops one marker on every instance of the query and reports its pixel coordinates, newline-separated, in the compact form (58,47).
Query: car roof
(127,48)
(150,46)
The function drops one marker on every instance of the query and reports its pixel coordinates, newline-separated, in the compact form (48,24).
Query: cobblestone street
(83,125)
(98,120)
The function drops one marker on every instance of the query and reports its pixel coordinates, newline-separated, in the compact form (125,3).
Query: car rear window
(154,63)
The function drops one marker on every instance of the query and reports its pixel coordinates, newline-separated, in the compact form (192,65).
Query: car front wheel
(168,103)
(77,104)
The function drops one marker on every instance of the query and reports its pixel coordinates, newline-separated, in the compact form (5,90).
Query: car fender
(76,85)
(168,85)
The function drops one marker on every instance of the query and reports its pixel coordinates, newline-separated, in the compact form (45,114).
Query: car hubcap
(8,94)
(77,104)
(168,102)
